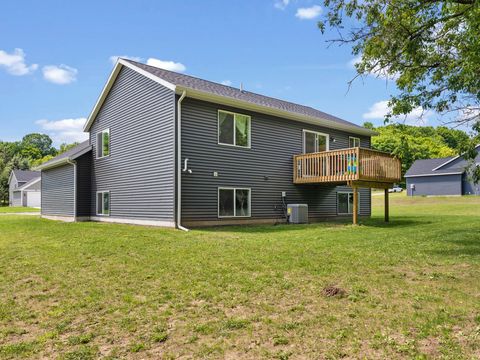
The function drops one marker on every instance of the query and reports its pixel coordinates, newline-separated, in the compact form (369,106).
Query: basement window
(345,202)
(233,129)
(233,202)
(103,143)
(103,203)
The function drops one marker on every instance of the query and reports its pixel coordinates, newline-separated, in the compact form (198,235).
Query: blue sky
(55,56)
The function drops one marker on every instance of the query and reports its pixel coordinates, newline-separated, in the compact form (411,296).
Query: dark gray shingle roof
(69,153)
(426,166)
(26,175)
(237,94)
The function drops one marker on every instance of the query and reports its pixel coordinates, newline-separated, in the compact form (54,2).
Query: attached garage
(66,184)
(33,198)
(28,194)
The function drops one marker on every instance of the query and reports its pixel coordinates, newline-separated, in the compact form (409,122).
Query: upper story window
(233,129)
(103,143)
(353,142)
(315,142)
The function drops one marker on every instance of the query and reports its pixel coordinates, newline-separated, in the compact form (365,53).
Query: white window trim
(234,130)
(109,203)
(234,202)
(348,192)
(354,137)
(107,130)
(316,133)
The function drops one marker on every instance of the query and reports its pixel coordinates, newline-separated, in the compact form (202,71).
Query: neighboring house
(444,176)
(169,149)
(24,188)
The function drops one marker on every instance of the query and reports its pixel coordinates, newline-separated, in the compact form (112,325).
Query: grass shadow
(327,223)
(395,222)
(462,242)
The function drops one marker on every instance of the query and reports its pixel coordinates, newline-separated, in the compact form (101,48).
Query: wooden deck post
(355,206)
(386,206)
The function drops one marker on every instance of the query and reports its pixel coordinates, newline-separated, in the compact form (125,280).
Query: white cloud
(167,65)
(14,63)
(113,59)
(380,109)
(281,4)
(65,130)
(61,74)
(226,82)
(309,13)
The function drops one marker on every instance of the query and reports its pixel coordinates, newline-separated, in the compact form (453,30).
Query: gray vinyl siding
(140,171)
(266,168)
(469,187)
(435,185)
(14,184)
(17,198)
(58,191)
(84,173)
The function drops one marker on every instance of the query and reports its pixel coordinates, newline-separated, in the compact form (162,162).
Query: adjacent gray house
(443,176)
(24,188)
(170,149)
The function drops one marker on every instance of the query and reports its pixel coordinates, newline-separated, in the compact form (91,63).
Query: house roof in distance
(26,175)
(67,156)
(215,92)
(426,167)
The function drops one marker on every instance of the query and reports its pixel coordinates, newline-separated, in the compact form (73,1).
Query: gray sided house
(24,188)
(169,149)
(443,176)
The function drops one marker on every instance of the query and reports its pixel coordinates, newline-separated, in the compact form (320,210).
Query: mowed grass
(88,290)
(17,209)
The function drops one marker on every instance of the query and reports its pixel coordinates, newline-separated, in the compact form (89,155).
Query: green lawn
(17,209)
(88,290)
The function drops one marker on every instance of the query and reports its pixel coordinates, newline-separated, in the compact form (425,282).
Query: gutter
(179,162)
(439,174)
(74,163)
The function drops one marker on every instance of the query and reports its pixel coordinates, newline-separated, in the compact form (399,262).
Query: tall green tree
(430,48)
(38,145)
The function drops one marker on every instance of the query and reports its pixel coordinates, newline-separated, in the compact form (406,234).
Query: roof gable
(455,160)
(67,156)
(25,175)
(30,183)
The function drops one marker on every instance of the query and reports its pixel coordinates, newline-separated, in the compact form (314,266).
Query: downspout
(74,163)
(179,162)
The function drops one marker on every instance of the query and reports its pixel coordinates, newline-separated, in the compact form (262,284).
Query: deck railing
(346,165)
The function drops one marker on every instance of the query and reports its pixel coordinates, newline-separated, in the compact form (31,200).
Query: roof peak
(218,84)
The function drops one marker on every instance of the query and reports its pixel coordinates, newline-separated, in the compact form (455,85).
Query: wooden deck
(354,165)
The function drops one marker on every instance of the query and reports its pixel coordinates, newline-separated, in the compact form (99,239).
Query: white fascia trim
(30,183)
(453,159)
(53,164)
(440,174)
(155,78)
(81,152)
(10,177)
(201,95)
(133,221)
(111,80)
(63,161)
